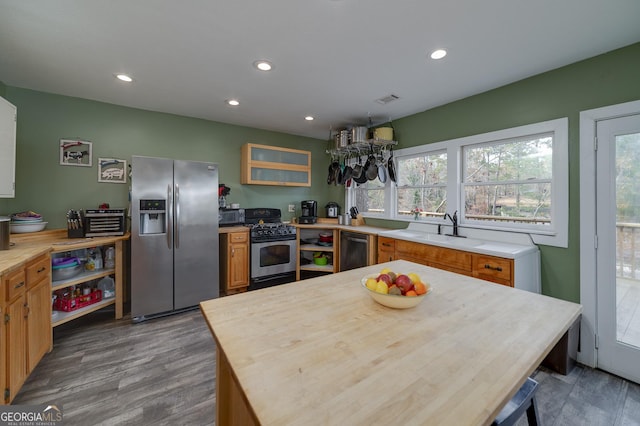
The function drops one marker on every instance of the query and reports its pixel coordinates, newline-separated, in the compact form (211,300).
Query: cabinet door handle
(44,268)
(26,310)
(233,252)
(493,268)
(386,244)
(17,286)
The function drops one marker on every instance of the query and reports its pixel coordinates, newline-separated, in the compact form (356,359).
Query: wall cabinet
(270,165)
(27,321)
(8,116)
(234,262)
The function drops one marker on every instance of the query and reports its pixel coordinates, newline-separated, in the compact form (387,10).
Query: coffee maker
(309,212)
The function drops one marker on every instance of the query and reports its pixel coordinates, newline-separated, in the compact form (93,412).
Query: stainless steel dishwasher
(354,250)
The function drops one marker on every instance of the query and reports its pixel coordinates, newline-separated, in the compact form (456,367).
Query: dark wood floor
(162,372)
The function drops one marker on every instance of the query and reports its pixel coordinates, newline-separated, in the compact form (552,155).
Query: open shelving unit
(60,317)
(306,250)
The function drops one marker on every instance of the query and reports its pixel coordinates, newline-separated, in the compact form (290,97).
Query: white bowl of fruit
(399,291)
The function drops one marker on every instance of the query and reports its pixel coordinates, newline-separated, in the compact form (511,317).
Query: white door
(618,248)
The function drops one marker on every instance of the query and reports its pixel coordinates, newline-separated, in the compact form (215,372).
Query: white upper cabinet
(8,115)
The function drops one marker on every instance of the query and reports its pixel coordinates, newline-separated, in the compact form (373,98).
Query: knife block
(75,233)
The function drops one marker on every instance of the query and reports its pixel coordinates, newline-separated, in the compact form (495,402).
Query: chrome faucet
(454,221)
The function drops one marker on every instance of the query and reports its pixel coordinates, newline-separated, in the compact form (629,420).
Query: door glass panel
(627,163)
(274,175)
(277,156)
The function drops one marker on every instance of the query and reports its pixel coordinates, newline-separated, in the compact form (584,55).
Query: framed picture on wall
(112,170)
(75,153)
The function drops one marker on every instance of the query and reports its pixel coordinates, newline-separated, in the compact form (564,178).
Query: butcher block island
(322,351)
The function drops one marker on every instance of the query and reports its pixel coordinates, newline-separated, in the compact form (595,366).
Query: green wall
(607,79)
(43,119)
(45,186)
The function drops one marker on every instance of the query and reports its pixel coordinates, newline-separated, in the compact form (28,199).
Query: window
(422,185)
(511,180)
(369,197)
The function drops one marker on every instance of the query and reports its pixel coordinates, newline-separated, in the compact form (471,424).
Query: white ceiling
(333,58)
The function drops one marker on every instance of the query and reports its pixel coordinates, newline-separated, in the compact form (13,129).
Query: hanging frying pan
(357,169)
(391,166)
(363,173)
(348,171)
(382,170)
(371,169)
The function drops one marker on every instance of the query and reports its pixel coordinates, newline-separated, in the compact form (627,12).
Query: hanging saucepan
(391,166)
(382,171)
(357,169)
(372,167)
(348,171)
(339,174)
(333,167)
(330,175)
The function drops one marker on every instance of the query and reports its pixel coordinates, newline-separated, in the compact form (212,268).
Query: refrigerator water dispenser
(153,217)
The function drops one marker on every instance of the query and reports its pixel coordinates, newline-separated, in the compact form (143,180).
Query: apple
(386,278)
(404,283)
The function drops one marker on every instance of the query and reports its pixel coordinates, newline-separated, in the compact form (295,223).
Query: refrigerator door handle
(176,229)
(169,216)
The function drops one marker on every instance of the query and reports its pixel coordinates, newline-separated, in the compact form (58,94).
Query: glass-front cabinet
(271,165)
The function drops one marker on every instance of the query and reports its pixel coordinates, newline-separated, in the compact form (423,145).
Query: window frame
(408,156)
(556,234)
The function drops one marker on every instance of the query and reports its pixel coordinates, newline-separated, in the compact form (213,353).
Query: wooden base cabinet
(386,249)
(15,326)
(490,268)
(26,325)
(234,262)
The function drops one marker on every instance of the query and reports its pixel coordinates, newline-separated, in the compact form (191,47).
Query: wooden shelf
(318,268)
(81,278)
(62,317)
(313,247)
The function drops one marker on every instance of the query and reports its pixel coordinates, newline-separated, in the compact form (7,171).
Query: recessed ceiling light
(308,118)
(124,77)
(263,65)
(233,102)
(438,54)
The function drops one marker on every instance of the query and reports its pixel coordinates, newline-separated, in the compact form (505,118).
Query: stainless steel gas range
(273,248)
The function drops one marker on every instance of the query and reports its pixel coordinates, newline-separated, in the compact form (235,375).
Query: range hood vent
(389,98)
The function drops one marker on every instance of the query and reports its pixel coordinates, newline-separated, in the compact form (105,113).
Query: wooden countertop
(229,229)
(321,351)
(363,229)
(31,245)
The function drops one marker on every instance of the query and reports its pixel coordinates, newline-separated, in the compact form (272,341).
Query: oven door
(272,258)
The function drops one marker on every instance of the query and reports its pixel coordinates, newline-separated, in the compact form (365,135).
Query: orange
(411,293)
(420,288)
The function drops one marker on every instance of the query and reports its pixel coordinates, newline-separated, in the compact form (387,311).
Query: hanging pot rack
(361,148)
(356,149)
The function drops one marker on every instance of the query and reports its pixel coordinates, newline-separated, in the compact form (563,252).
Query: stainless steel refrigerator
(174,235)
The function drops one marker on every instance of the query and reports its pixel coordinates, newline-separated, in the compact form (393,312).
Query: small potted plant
(416,211)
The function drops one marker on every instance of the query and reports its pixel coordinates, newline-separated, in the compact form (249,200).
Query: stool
(523,400)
